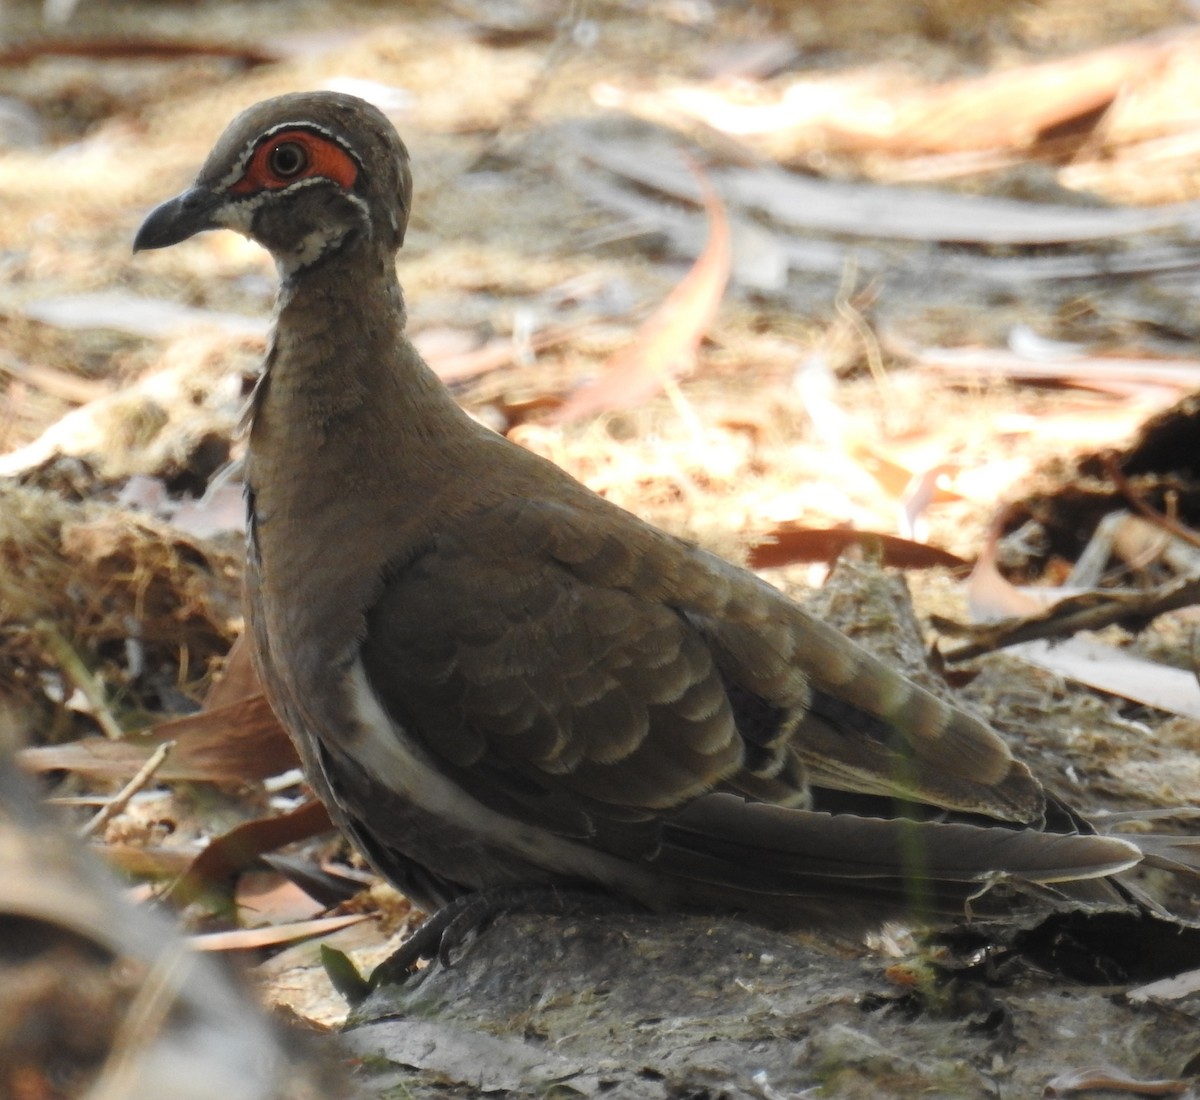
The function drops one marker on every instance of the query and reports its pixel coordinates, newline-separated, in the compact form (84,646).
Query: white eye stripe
(238,212)
(239,216)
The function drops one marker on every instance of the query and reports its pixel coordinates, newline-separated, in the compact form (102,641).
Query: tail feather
(755,847)
(1177,854)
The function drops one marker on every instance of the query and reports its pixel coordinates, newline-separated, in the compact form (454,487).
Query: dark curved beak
(177,219)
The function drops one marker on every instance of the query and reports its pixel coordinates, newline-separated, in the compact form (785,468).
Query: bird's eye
(288,159)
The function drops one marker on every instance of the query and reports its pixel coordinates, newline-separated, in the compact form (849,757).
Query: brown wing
(549,697)
(608,682)
(567,662)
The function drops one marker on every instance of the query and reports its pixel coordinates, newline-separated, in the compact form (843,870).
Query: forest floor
(962,254)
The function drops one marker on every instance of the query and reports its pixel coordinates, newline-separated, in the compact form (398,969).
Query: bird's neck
(351,438)
(348,422)
(337,328)
(339,361)
(355,271)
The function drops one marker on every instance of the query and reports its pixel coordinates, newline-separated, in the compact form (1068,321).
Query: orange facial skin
(293,155)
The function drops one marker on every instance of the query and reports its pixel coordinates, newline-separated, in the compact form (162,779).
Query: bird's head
(305,175)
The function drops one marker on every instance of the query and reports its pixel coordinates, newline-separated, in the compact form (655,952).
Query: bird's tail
(725,850)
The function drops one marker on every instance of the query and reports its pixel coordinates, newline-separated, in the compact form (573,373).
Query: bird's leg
(454,922)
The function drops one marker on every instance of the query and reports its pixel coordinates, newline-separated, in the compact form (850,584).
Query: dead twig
(1091,611)
(77,673)
(121,799)
(1143,507)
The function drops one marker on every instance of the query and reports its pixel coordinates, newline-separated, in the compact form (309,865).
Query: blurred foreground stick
(103,999)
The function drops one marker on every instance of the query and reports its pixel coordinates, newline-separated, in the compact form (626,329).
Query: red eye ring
(285,157)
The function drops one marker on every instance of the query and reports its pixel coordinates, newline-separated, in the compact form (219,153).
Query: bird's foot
(454,922)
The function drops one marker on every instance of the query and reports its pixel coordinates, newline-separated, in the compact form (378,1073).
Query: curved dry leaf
(239,742)
(1060,101)
(789,543)
(1112,1080)
(665,345)
(246,939)
(240,848)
